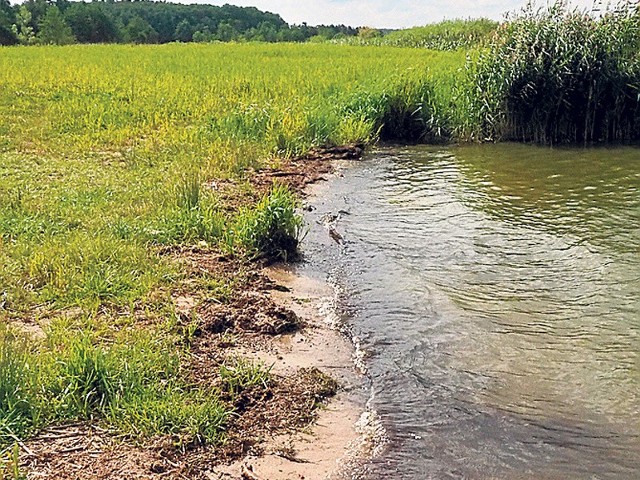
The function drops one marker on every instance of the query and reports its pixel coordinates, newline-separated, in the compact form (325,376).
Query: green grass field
(105,157)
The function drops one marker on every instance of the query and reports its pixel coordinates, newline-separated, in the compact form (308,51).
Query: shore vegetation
(558,75)
(114,156)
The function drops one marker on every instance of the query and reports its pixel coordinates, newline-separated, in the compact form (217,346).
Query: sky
(381,13)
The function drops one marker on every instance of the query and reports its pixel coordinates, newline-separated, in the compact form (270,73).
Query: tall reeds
(556,75)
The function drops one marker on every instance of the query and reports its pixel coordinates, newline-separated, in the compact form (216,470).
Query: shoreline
(309,420)
(345,433)
(332,445)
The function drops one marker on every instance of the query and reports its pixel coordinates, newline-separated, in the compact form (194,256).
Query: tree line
(63,22)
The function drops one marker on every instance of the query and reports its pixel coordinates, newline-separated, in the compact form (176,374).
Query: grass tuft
(272,229)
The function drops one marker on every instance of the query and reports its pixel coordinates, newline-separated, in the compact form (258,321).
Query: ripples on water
(497,290)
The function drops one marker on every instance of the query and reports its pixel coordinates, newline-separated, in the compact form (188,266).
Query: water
(496,293)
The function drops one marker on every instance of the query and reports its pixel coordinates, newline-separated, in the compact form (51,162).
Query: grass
(132,382)
(107,151)
(241,374)
(109,154)
(272,228)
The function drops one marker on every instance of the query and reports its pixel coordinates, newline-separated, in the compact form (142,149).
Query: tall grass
(110,150)
(272,228)
(132,383)
(555,75)
(446,35)
(407,109)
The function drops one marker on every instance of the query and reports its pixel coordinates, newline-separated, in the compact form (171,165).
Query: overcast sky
(381,13)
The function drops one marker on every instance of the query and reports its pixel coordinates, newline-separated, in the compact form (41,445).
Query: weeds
(10,464)
(240,374)
(18,414)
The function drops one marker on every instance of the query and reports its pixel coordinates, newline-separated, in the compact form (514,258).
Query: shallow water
(496,293)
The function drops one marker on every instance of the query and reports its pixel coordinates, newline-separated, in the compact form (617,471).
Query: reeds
(446,35)
(556,75)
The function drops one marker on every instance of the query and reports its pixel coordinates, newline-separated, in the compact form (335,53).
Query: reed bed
(447,35)
(556,75)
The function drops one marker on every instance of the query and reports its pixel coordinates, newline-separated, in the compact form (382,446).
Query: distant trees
(7,20)
(184,31)
(368,32)
(138,30)
(64,21)
(54,29)
(91,24)
(226,32)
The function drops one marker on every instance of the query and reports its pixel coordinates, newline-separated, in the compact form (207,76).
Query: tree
(266,32)
(37,9)
(203,36)
(184,31)
(7,33)
(54,30)
(7,19)
(226,32)
(22,28)
(368,32)
(91,24)
(138,30)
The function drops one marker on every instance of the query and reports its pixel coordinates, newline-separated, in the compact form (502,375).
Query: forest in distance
(63,21)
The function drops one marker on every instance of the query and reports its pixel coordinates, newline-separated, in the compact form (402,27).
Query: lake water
(495,292)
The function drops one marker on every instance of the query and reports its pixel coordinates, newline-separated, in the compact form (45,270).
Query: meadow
(109,158)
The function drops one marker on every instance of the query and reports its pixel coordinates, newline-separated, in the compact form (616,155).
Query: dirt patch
(297,174)
(305,170)
(252,312)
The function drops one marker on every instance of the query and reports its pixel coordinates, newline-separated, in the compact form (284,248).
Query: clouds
(381,13)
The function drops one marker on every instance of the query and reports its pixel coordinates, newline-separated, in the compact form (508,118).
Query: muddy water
(495,291)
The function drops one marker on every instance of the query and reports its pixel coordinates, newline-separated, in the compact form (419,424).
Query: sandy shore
(334,444)
(346,433)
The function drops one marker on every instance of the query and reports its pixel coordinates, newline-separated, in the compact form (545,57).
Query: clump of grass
(240,374)
(271,229)
(18,412)
(194,417)
(78,269)
(132,383)
(194,217)
(558,75)
(10,464)
(405,109)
